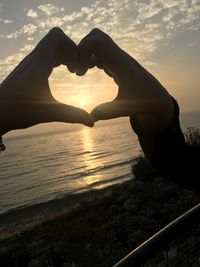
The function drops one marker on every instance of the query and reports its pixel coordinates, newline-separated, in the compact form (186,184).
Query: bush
(192,136)
(142,169)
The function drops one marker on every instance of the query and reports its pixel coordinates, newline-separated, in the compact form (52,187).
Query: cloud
(152,26)
(13,35)
(30,38)
(169,3)
(147,11)
(150,63)
(49,9)
(8,64)
(27,48)
(50,23)
(28,29)
(168,17)
(8,21)
(194,27)
(139,27)
(74,16)
(32,13)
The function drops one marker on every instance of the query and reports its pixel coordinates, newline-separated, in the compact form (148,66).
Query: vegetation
(193,136)
(102,231)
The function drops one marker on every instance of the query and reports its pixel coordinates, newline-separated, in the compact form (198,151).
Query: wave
(35,204)
(105,182)
(102,168)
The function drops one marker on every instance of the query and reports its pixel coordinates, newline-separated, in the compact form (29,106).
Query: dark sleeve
(173,158)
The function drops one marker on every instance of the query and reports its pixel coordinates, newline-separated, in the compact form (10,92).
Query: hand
(25,97)
(139,93)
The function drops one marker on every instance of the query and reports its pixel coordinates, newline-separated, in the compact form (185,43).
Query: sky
(163,35)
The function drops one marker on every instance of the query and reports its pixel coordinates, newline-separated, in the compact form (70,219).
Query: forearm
(171,157)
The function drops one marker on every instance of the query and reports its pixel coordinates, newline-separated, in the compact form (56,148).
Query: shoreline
(17,221)
(102,228)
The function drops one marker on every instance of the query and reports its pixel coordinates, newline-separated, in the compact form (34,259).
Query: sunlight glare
(90,158)
(82,102)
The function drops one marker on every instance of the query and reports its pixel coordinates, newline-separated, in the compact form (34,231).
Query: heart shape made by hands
(84,92)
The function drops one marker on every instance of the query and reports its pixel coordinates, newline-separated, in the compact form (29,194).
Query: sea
(37,168)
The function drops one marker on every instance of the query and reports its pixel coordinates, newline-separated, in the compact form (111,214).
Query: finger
(35,113)
(85,52)
(87,49)
(66,113)
(72,58)
(55,49)
(98,44)
(95,62)
(109,110)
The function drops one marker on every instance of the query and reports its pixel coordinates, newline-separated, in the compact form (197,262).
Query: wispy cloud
(46,24)
(6,21)
(27,48)
(138,26)
(9,62)
(32,13)
(49,9)
(28,29)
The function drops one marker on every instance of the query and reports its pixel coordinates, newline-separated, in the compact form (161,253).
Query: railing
(177,244)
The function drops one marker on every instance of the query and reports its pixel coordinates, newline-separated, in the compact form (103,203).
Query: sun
(82,102)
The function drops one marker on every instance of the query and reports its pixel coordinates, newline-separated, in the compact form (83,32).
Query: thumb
(108,110)
(70,114)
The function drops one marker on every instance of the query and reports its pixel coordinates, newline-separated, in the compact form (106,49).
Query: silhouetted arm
(139,93)
(25,96)
(153,113)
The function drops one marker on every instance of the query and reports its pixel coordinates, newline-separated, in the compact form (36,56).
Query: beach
(105,226)
(18,221)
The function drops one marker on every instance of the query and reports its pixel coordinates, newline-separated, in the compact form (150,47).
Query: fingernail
(81,71)
(78,73)
(89,122)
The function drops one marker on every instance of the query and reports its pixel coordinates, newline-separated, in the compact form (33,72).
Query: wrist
(4,128)
(4,121)
(124,65)
(3,131)
(2,147)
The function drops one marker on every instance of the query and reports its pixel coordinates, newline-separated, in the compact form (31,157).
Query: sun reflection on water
(90,158)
